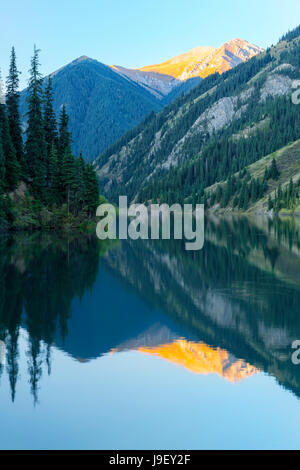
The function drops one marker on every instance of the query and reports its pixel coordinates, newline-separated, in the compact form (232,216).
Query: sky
(133,33)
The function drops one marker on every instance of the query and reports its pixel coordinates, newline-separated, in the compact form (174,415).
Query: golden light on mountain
(204,61)
(177,65)
(200,358)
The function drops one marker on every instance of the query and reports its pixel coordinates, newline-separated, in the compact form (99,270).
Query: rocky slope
(200,62)
(204,61)
(219,107)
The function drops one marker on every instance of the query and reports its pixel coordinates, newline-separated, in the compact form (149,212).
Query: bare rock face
(214,119)
(276,85)
(156,83)
(201,62)
(220,60)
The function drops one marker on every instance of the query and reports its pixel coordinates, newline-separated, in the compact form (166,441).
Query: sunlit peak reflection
(200,358)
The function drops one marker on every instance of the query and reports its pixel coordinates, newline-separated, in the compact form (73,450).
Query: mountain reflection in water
(230,309)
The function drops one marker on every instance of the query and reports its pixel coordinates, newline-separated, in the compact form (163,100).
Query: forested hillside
(42,184)
(215,131)
(101,104)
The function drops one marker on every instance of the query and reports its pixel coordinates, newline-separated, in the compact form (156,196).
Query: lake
(143,345)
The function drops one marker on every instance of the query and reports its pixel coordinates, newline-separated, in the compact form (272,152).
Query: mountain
(101,104)
(161,79)
(224,124)
(230,328)
(204,61)
(104,102)
(198,358)
(158,84)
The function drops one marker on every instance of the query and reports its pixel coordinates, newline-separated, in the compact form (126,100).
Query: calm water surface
(138,345)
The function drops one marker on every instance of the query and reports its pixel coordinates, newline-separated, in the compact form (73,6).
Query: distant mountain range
(222,126)
(199,62)
(104,102)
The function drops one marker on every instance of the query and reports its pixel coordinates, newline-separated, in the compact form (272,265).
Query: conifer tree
(12,103)
(274,172)
(12,167)
(68,176)
(2,168)
(49,119)
(64,135)
(36,150)
(79,183)
(54,176)
(92,189)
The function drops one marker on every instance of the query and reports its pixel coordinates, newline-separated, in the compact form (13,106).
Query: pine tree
(274,172)
(53,176)
(79,183)
(12,167)
(64,140)
(49,119)
(92,189)
(2,168)
(68,176)
(36,150)
(12,103)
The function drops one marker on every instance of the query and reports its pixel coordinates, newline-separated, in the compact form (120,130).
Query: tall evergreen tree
(12,103)
(92,189)
(80,187)
(68,176)
(36,149)
(64,135)
(49,118)
(2,167)
(54,176)
(12,167)
(274,172)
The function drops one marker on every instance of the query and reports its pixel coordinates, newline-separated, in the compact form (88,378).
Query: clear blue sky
(133,33)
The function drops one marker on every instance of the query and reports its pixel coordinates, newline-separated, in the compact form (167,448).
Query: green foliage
(287,198)
(64,140)
(102,105)
(12,103)
(57,190)
(242,190)
(12,166)
(50,129)
(36,150)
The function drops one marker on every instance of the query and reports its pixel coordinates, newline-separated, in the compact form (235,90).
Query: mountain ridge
(205,60)
(199,62)
(101,104)
(189,146)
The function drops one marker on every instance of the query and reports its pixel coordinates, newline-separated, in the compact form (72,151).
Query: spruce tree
(36,150)
(79,183)
(12,167)
(49,119)
(68,177)
(12,103)
(53,176)
(2,168)
(274,172)
(92,189)
(64,140)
